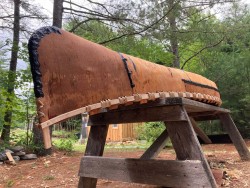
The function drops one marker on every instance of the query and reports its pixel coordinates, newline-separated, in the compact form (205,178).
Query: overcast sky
(47,6)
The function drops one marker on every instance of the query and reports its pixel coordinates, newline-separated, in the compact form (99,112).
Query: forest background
(208,37)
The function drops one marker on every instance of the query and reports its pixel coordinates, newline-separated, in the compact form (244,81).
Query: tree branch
(206,47)
(144,29)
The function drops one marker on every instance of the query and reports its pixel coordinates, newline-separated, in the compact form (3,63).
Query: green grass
(120,146)
(66,141)
(63,134)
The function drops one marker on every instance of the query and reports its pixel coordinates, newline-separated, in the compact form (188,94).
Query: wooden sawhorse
(179,114)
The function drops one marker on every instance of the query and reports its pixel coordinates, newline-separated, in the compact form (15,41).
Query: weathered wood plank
(204,113)
(46,138)
(206,118)
(229,126)
(199,106)
(157,146)
(200,132)
(10,158)
(168,113)
(95,147)
(186,145)
(154,172)
(191,106)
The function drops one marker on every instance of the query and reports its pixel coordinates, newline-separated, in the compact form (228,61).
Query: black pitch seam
(199,84)
(33,56)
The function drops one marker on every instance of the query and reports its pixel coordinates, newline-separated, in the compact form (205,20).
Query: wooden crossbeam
(141,101)
(155,172)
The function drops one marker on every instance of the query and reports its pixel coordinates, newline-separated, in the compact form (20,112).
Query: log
(155,172)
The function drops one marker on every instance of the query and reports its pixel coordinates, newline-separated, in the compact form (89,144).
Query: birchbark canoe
(72,75)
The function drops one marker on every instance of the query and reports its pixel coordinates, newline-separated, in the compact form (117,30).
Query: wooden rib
(182,94)
(162,95)
(173,94)
(137,97)
(144,96)
(151,96)
(200,96)
(195,97)
(106,103)
(189,95)
(130,99)
(157,95)
(122,100)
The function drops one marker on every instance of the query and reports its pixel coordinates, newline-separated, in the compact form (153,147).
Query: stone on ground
(28,157)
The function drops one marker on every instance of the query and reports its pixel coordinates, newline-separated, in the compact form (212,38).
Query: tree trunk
(173,35)
(12,71)
(38,141)
(57,13)
(37,132)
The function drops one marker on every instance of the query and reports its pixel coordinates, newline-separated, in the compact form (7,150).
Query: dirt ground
(60,170)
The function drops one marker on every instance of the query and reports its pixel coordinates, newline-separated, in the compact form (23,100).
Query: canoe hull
(70,72)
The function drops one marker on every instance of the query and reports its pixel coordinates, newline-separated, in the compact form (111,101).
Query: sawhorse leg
(186,144)
(229,126)
(95,147)
(156,147)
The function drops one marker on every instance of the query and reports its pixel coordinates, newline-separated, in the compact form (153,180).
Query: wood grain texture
(186,145)
(229,126)
(196,109)
(167,113)
(95,147)
(46,138)
(155,172)
(200,132)
(157,146)
(77,73)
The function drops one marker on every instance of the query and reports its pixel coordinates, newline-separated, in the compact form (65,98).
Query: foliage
(227,62)
(21,137)
(150,131)
(141,47)
(62,134)
(64,144)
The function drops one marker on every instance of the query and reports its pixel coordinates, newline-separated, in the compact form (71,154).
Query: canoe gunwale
(127,100)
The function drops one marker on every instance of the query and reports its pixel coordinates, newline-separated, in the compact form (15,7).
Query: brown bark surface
(77,73)
(12,70)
